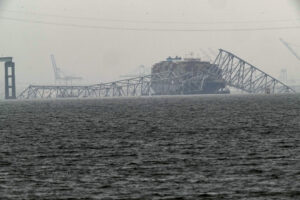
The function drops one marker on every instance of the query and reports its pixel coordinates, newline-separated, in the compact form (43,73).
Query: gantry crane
(287,45)
(59,75)
(142,71)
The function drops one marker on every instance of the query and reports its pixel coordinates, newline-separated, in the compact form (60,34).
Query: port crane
(59,75)
(288,46)
(142,71)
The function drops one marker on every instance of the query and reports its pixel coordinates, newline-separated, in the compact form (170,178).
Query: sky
(101,40)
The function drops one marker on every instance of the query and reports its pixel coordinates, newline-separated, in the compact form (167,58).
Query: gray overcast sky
(100,54)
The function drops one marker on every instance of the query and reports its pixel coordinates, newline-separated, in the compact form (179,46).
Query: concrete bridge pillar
(10,80)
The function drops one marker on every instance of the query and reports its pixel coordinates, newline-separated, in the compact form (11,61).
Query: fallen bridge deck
(235,71)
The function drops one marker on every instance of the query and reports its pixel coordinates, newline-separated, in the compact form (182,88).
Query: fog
(103,39)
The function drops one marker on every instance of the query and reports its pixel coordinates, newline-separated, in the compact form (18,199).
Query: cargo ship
(178,76)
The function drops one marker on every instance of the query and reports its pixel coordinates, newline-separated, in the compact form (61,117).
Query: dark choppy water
(205,147)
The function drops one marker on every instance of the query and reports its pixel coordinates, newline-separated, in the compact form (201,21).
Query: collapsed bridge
(202,78)
(242,75)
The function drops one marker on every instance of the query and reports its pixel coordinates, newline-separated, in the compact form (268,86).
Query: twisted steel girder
(235,71)
(139,86)
(242,75)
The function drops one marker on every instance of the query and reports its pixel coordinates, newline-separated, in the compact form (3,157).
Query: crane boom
(290,48)
(55,69)
(59,75)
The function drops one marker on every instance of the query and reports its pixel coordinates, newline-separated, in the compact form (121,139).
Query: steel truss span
(130,87)
(139,86)
(52,91)
(236,72)
(241,75)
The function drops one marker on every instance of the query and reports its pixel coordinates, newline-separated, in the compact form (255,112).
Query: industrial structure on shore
(293,83)
(175,76)
(60,75)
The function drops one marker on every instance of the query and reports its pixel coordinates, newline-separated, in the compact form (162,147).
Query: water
(196,147)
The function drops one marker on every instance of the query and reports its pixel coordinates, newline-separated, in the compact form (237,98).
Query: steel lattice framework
(235,71)
(139,86)
(53,91)
(242,75)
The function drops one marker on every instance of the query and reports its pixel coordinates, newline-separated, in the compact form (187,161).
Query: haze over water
(192,147)
(103,55)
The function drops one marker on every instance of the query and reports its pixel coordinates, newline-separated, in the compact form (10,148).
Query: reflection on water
(201,147)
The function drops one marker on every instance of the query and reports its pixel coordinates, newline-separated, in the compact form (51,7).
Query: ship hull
(186,77)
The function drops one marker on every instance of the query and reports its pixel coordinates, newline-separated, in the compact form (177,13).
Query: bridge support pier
(10,80)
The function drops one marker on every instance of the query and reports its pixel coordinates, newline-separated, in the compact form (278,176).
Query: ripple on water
(194,147)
